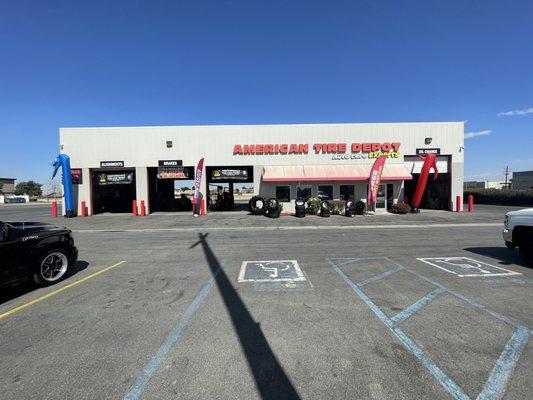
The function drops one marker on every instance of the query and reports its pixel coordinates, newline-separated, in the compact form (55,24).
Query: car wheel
(525,247)
(51,267)
(526,253)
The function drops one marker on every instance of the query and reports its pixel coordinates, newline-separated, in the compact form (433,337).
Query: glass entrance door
(381,198)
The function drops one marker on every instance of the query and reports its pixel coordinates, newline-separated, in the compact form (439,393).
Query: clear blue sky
(112,63)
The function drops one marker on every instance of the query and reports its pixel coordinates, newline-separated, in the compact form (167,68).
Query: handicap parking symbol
(467,267)
(271,271)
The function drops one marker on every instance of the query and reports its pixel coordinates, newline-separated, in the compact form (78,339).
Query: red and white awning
(335,173)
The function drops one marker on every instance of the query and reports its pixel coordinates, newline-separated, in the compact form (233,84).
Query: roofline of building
(9,179)
(262,125)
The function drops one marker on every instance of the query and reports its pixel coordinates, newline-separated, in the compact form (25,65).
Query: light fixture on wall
(428,140)
(169,143)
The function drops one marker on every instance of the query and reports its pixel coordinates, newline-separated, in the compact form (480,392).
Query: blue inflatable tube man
(63,161)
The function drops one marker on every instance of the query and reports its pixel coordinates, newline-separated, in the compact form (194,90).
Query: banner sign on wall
(115,179)
(338,151)
(170,163)
(111,164)
(172,173)
(375,179)
(77,177)
(197,183)
(229,174)
(427,151)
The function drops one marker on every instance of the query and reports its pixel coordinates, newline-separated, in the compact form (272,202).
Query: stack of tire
(324,209)
(273,208)
(299,208)
(349,209)
(257,205)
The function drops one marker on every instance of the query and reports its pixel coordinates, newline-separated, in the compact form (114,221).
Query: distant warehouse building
(522,180)
(484,185)
(7,185)
(112,167)
(7,189)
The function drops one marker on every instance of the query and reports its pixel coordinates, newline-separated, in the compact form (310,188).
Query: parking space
(276,314)
(446,336)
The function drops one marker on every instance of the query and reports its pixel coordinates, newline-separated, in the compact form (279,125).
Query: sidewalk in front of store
(242,219)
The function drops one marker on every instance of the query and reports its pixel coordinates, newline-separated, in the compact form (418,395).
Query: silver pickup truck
(518,232)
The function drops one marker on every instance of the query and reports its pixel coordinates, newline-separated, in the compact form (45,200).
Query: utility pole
(506,177)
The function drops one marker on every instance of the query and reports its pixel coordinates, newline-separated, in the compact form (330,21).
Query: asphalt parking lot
(369,308)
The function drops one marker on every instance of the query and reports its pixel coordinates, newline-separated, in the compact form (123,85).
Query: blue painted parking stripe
(446,382)
(172,339)
(416,306)
(504,367)
(465,299)
(380,276)
(347,261)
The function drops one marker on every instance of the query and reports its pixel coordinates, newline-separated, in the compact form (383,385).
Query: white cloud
(470,135)
(516,112)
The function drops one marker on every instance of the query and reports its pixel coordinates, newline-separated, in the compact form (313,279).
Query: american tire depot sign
(338,151)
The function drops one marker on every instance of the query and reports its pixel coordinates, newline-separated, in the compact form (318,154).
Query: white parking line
(465,267)
(282,228)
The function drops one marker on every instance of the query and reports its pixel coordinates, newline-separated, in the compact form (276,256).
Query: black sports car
(40,252)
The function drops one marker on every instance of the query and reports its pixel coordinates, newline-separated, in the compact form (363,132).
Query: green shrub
(506,197)
(336,206)
(313,205)
(400,208)
(360,207)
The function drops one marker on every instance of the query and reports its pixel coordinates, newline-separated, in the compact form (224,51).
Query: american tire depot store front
(113,166)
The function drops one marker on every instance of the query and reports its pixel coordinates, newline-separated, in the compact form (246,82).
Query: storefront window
(325,192)
(347,192)
(283,193)
(303,192)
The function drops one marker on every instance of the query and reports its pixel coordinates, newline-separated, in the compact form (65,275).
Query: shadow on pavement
(270,378)
(502,254)
(10,293)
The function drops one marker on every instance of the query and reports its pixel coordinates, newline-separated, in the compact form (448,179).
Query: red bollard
(458,204)
(134,208)
(143,211)
(54,209)
(83,209)
(470,203)
(202,207)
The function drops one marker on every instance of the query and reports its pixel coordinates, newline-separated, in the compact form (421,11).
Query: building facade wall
(143,147)
(523,180)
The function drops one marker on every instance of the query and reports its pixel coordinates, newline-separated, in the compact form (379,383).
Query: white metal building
(114,165)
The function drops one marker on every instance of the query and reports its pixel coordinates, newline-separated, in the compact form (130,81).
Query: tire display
(273,214)
(299,208)
(273,208)
(349,209)
(257,205)
(272,204)
(324,209)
